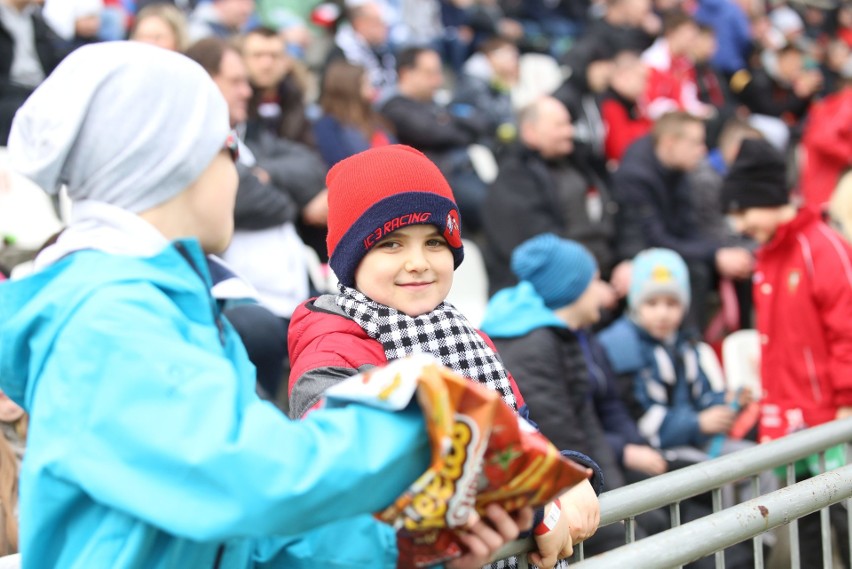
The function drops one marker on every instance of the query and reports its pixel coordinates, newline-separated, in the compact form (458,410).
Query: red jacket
(622,129)
(803,299)
(326,347)
(827,143)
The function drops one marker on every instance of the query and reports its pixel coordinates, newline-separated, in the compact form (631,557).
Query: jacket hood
(517,311)
(33,310)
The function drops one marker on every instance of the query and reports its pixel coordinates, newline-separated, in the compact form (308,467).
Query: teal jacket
(148,447)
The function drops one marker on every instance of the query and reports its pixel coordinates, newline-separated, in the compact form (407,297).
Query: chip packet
(482,453)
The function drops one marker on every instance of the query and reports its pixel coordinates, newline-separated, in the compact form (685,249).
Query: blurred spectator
(712,86)
(163,25)
(349,123)
(549,25)
(783,89)
(414,23)
(844,23)
(540,330)
(486,83)
(277,103)
(431,128)
(671,79)
(789,23)
(28,53)
(468,23)
(291,19)
(626,25)
(265,250)
(837,55)
(220,18)
(827,144)
(541,188)
(363,40)
(731,26)
(706,182)
(622,115)
(77,22)
(580,93)
(654,194)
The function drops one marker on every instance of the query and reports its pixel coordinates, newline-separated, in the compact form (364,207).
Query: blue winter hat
(658,271)
(559,269)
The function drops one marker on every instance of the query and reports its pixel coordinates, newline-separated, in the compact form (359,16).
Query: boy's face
(587,308)
(209,204)
(410,270)
(759,223)
(660,316)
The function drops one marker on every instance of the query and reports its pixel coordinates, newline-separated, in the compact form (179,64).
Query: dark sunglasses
(232,145)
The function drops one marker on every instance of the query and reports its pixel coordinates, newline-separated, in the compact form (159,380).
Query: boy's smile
(410,270)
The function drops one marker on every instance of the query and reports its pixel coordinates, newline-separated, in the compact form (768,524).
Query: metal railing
(730,526)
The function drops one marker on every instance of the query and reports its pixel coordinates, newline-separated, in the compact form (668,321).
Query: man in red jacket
(803,300)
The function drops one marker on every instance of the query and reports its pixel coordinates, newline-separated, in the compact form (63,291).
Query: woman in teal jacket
(148,446)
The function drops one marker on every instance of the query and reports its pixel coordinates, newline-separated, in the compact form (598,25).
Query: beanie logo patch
(452,229)
(661,274)
(392,225)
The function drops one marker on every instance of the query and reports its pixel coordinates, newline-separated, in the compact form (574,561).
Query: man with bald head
(541,188)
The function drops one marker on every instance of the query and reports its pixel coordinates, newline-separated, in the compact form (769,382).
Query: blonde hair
(172,16)
(9,470)
(840,206)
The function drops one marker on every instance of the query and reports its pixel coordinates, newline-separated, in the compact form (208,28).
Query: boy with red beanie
(394,240)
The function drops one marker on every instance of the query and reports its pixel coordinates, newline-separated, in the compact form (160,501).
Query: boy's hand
(578,521)
(644,459)
(484,537)
(716,419)
(844,412)
(734,262)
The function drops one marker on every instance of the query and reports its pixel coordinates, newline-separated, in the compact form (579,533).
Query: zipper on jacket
(219,554)
(815,386)
(216,318)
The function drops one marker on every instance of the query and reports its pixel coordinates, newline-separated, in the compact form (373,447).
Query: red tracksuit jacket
(803,298)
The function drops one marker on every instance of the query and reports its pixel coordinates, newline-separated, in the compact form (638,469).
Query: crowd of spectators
(638,110)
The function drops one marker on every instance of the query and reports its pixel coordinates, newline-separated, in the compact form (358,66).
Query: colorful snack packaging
(482,453)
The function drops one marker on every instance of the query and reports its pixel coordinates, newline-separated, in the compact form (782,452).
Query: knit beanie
(757,178)
(373,193)
(657,272)
(75,129)
(559,269)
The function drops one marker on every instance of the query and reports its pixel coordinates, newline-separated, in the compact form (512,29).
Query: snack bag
(482,453)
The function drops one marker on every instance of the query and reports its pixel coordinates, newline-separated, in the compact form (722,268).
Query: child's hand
(716,419)
(644,459)
(483,538)
(743,396)
(844,412)
(578,520)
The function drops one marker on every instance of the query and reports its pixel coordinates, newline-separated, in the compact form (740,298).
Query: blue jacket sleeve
(145,412)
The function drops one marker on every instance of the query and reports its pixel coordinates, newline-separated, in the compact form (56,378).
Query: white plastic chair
(469,292)
(26,212)
(741,354)
(539,75)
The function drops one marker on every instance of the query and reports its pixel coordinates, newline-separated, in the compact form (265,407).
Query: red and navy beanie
(375,192)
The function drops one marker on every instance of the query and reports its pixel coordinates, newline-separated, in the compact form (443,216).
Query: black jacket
(46,44)
(531,196)
(550,369)
(296,173)
(655,208)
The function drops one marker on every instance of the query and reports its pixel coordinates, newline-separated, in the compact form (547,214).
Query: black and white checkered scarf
(444,332)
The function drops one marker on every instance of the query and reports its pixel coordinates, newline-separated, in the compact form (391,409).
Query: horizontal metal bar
(684,483)
(622,503)
(714,532)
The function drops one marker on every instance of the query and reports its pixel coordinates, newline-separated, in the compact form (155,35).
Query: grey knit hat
(123,123)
